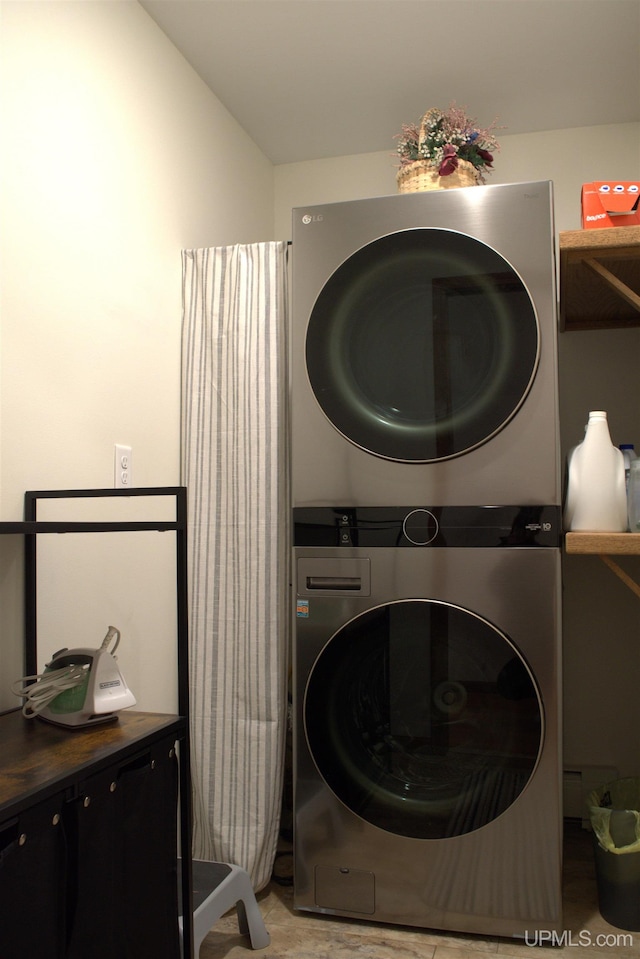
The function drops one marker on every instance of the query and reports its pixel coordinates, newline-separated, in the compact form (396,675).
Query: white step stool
(218,887)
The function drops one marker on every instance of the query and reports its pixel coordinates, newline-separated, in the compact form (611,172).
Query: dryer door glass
(423,719)
(422,345)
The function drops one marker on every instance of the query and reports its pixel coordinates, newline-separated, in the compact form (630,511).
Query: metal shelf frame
(31,528)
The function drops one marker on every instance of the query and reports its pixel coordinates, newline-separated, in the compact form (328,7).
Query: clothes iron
(79,687)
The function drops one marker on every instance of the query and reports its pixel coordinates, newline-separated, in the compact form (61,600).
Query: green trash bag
(615,815)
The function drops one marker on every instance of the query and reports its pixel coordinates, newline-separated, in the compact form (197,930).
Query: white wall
(568,157)
(598,370)
(115,157)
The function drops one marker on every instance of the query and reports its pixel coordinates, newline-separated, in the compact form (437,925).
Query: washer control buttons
(344,525)
(420,527)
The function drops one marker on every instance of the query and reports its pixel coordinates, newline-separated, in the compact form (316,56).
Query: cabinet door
(91,824)
(32,884)
(148,888)
(122,831)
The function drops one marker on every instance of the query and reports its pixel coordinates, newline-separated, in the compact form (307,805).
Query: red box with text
(610,203)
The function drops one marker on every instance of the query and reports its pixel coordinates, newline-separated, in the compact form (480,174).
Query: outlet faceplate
(123,467)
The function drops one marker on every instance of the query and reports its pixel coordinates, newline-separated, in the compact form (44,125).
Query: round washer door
(422,345)
(423,719)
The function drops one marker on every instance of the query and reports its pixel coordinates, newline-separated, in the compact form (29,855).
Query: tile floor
(297,935)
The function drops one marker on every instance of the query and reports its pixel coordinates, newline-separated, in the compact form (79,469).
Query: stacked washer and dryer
(426,518)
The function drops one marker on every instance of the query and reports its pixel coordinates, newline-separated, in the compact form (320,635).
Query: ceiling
(318,78)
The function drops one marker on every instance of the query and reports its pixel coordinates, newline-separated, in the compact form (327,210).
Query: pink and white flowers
(446,137)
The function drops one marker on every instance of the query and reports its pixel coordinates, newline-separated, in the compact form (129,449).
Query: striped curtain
(234,467)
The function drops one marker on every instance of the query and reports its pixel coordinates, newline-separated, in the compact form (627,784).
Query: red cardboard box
(610,203)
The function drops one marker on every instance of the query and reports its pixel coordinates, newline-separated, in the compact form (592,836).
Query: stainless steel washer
(427,760)
(423,349)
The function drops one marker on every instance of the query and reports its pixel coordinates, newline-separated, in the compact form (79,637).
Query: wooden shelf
(627,544)
(600,278)
(604,545)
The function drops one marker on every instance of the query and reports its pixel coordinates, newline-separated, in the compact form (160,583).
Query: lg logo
(306,219)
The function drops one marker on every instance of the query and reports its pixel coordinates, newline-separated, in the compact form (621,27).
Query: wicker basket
(423,175)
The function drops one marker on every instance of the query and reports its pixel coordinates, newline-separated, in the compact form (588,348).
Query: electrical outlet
(123,474)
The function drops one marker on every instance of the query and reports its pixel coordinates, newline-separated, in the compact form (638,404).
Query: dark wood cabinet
(88,838)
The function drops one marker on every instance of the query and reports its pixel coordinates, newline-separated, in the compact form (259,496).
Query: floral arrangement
(446,137)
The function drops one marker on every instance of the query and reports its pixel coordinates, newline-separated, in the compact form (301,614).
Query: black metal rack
(31,528)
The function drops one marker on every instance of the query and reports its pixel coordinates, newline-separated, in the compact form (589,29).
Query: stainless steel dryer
(423,347)
(427,716)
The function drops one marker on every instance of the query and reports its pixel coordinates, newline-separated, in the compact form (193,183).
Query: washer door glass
(422,345)
(423,719)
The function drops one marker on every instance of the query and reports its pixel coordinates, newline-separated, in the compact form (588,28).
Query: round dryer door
(423,719)
(422,345)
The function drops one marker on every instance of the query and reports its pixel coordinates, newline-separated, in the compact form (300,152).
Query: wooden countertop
(39,758)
